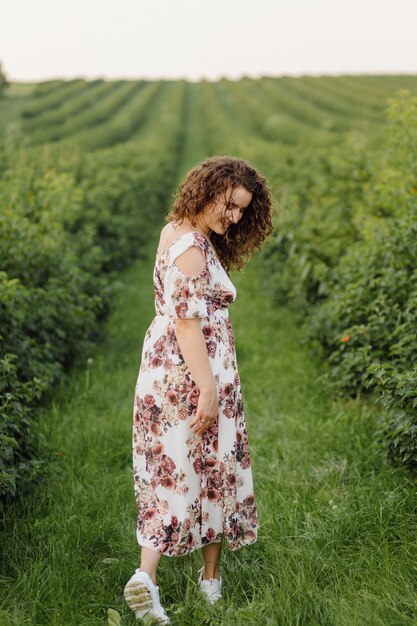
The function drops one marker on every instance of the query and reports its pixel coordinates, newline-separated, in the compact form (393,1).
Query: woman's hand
(207,409)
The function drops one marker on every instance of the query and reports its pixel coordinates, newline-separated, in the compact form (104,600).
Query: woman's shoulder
(170,233)
(166,237)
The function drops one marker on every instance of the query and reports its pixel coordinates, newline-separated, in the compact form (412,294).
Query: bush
(346,259)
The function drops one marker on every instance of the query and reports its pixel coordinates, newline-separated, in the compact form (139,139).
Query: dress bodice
(191,296)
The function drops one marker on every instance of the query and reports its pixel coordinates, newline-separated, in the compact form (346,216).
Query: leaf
(113,618)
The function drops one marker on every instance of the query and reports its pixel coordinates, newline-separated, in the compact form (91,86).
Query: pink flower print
(171,332)
(193,396)
(208,331)
(211,349)
(213,495)
(156,361)
(172,396)
(175,348)
(158,448)
(159,344)
(150,513)
(136,416)
(245,462)
(168,482)
(249,500)
(182,413)
(149,400)
(155,429)
(214,480)
(226,390)
(184,386)
(181,309)
(185,292)
(229,409)
(166,465)
(214,428)
(146,415)
(210,534)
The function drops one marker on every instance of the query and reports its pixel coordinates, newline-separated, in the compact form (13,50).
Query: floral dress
(190,489)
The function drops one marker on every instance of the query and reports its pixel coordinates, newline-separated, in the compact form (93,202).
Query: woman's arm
(194,350)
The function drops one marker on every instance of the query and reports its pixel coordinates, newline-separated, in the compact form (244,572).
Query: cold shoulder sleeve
(187,296)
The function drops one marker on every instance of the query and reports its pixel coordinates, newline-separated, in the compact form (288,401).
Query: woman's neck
(199,228)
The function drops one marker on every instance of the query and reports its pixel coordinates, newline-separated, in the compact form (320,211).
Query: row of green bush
(70,220)
(345,258)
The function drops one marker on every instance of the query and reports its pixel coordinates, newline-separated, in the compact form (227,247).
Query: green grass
(337,543)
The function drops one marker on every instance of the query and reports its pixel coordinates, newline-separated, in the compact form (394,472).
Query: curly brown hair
(204,183)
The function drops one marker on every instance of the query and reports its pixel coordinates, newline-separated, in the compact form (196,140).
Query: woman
(192,469)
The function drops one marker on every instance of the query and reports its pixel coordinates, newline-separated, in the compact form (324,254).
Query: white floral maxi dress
(190,489)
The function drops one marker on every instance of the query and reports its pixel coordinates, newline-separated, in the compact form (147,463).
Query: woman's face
(226,209)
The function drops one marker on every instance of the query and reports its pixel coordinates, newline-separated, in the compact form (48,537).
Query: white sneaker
(212,588)
(143,598)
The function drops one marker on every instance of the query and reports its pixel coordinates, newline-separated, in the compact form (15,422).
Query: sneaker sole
(139,599)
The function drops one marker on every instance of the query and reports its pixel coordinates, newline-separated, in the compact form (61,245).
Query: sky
(196,39)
